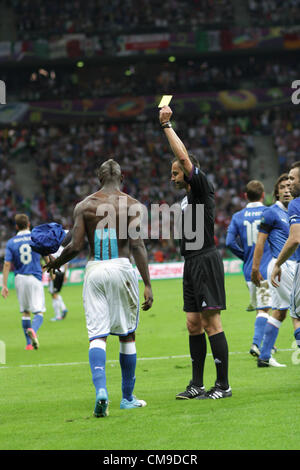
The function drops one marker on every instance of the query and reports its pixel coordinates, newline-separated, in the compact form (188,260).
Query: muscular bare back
(111,220)
(106,220)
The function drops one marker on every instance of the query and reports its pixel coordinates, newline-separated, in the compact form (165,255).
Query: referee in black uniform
(203,277)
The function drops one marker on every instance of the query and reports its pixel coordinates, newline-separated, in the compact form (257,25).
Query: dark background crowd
(61,82)
(65,156)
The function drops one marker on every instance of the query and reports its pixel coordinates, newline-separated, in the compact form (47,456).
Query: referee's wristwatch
(164,125)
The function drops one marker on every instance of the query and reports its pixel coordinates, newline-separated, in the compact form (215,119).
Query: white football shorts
(295,295)
(260,297)
(281,295)
(30,293)
(110,298)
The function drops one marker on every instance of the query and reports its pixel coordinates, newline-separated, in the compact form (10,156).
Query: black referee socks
(219,348)
(198,354)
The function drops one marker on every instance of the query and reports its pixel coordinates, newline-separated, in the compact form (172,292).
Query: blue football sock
(37,321)
(97,359)
(297,336)
(26,323)
(128,365)
(271,333)
(259,328)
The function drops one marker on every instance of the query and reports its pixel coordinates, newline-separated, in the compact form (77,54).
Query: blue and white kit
(241,239)
(294,218)
(28,272)
(275,223)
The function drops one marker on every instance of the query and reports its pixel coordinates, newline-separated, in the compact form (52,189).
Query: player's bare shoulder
(78,209)
(91,202)
(131,201)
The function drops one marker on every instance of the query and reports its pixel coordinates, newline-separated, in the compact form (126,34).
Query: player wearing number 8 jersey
(28,279)
(241,239)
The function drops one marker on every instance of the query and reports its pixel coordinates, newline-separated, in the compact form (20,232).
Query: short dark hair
(296,165)
(254,190)
(110,170)
(22,221)
(281,178)
(193,159)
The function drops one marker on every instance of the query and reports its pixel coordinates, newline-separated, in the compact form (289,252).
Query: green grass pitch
(47,396)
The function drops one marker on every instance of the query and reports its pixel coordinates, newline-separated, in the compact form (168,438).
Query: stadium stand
(264,12)
(9,198)
(183,76)
(286,135)
(66,158)
(131,15)
(64,155)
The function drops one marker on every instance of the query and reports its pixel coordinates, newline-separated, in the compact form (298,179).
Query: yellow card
(165,100)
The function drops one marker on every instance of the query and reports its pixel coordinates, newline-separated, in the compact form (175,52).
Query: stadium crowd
(56,18)
(67,158)
(117,79)
(274,11)
(9,197)
(285,128)
(92,16)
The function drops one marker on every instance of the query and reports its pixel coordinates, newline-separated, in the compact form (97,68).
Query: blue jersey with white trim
(294,218)
(275,223)
(18,252)
(242,236)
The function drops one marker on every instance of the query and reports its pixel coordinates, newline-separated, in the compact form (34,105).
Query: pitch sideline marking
(112,361)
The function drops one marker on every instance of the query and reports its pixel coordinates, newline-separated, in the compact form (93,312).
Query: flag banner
(135,106)
(142,42)
(5,50)
(79,45)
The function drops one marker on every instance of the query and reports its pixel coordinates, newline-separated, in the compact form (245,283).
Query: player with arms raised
(203,277)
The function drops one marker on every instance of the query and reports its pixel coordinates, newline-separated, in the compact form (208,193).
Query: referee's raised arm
(176,144)
(203,274)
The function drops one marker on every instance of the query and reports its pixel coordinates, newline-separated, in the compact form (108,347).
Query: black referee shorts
(203,282)
(56,285)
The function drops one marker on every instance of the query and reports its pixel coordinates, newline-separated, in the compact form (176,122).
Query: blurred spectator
(67,158)
(44,18)
(285,128)
(159,256)
(274,11)
(117,79)
(10,198)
